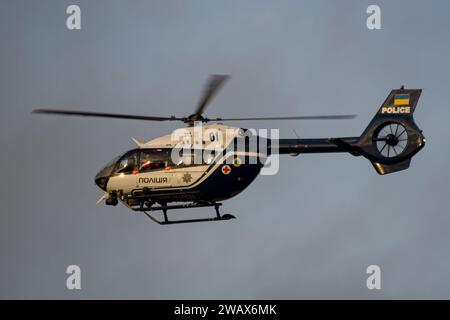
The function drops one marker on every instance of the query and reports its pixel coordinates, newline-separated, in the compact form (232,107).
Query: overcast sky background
(308,232)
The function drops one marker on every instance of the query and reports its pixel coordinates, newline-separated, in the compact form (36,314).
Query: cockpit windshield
(124,163)
(107,170)
(127,163)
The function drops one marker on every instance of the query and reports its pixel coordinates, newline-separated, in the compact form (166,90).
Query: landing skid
(166,221)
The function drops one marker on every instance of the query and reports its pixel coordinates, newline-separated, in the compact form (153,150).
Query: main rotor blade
(214,83)
(324,117)
(105,115)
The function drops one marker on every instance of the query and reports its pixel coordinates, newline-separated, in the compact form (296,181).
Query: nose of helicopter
(101,181)
(102,177)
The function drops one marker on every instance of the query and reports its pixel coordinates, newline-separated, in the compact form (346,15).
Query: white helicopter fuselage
(204,163)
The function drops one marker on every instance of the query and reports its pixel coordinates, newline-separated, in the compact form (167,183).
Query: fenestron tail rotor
(213,85)
(391,140)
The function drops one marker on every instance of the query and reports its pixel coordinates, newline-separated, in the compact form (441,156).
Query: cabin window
(190,158)
(208,156)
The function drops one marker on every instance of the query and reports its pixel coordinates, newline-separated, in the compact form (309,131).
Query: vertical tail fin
(392,138)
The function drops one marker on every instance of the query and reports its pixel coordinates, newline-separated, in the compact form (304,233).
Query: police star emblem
(187,178)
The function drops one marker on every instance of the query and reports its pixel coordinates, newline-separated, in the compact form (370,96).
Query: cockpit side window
(154,159)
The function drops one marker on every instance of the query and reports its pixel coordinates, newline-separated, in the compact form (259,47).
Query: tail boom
(321,145)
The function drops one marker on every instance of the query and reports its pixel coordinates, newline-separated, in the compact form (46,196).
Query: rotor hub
(391,140)
(195,117)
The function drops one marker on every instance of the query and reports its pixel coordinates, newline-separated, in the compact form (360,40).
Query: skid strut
(166,221)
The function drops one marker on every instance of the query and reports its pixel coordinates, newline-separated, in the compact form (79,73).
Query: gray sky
(308,232)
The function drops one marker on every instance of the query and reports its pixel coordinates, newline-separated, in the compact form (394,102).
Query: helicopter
(150,178)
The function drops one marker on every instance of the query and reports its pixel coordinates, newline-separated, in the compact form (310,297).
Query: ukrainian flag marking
(401,99)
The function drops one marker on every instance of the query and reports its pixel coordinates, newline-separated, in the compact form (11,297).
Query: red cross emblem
(226,169)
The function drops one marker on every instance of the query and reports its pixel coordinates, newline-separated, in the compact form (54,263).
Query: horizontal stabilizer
(390,168)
